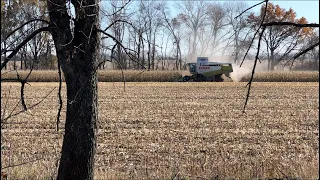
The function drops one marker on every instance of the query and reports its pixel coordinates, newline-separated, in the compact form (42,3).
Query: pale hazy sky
(309,9)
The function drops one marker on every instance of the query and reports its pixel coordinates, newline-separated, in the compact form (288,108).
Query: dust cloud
(246,68)
(239,72)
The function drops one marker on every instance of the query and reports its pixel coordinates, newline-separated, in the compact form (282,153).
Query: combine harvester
(205,71)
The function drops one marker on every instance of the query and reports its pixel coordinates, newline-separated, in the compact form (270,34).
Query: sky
(307,9)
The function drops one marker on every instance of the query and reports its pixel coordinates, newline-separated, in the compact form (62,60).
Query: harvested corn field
(173,131)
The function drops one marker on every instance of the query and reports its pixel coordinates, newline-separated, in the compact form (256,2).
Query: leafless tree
(174,27)
(239,32)
(215,35)
(194,17)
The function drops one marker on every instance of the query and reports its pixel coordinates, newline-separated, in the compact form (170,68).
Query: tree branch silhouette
(263,26)
(25,41)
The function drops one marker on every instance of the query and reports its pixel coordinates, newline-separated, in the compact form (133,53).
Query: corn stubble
(176,131)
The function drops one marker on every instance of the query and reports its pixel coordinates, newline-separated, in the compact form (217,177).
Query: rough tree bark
(77,54)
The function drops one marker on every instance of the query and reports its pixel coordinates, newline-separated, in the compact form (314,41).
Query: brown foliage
(277,14)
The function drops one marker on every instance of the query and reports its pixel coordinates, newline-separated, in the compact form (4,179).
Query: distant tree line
(154,37)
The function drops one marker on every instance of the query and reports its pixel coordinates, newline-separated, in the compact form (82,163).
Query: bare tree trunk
(236,57)
(177,59)
(272,60)
(142,60)
(79,141)
(138,51)
(21,61)
(129,41)
(180,60)
(194,45)
(77,56)
(149,49)
(15,64)
(153,50)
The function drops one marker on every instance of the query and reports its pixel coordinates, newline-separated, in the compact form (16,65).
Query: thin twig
(253,69)
(117,42)
(6,104)
(7,72)
(250,8)
(121,67)
(10,114)
(119,9)
(283,173)
(118,20)
(314,25)
(22,163)
(306,50)
(264,15)
(257,55)
(16,50)
(245,55)
(30,107)
(59,95)
(30,21)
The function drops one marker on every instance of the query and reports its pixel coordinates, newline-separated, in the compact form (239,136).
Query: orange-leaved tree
(280,41)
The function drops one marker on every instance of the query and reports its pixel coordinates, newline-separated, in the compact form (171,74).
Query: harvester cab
(204,70)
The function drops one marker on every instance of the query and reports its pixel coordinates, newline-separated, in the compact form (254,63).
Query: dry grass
(169,76)
(138,76)
(177,130)
(104,76)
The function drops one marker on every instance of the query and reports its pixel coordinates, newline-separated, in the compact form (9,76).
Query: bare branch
(121,66)
(306,50)
(23,82)
(30,107)
(41,20)
(118,42)
(106,60)
(290,24)
(120,8)
(3,120)
(257,55)
(16,50)
(22,163)
(250,8)
(245,55)
(6,104)
(264,16)
(253,69)
(59,95)
(118,20)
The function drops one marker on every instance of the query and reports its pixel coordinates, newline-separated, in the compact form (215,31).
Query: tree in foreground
(77,49)
(76,39)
